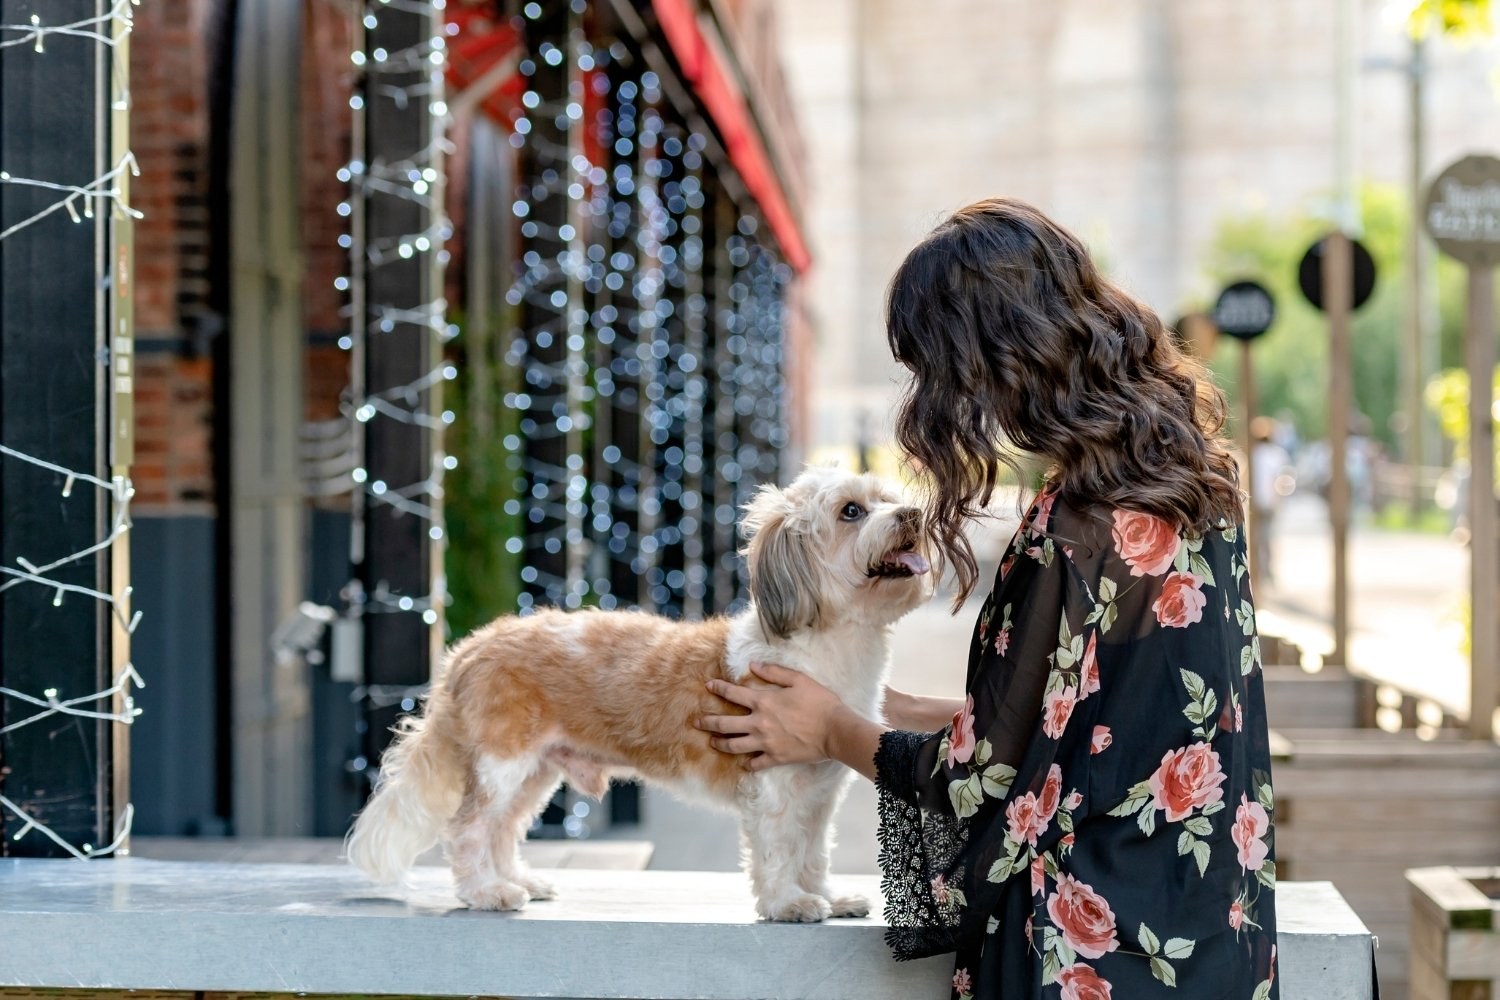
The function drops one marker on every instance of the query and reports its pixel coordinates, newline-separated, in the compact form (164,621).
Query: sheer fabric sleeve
(931,787)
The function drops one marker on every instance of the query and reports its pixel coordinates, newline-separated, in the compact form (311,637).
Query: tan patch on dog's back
(623,688)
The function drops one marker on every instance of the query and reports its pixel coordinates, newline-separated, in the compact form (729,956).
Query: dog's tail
(420,787)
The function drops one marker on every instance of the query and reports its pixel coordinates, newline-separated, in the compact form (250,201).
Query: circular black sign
(1463,211)
(1245,310)
(1310,274)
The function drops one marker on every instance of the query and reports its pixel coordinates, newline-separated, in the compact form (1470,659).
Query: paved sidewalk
(1407,593)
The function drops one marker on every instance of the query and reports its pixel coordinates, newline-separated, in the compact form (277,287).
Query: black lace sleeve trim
(896,763)
(914,851)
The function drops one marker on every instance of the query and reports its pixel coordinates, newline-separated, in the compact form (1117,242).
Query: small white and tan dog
(526,702)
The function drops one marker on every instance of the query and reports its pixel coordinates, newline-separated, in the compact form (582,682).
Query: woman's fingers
(732,725)
(736,744)
(776,674)
(741,696)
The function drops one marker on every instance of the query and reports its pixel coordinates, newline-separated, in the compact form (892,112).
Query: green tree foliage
(1291,361)
(483,575)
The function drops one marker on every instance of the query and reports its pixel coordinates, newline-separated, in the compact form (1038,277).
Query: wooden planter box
(1360,807)
(1455,933)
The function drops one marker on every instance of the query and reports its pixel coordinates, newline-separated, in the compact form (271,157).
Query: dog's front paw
(498,895)
(802,908)
(849,906)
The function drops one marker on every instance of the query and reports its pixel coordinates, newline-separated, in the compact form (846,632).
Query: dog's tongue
(914,561)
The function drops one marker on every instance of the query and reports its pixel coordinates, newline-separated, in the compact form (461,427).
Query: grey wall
(174,773)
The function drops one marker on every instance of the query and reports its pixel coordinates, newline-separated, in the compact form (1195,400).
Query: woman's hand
(789,723)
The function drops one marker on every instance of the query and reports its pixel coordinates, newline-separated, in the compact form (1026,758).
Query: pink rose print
(1002,641)
(1051,794)
(1038,876)
(1029,933)
(961,742)
(1187,779)
(1181,601)
(1146,543)
(1023,820)
(1057,709)
(1272,976)
(940,890)
(1068,840)
(1236,914)
(1250,824)
(1073,801)
(1081,982)
(1090,667)
(1005,566)
(962,984)
(1102,739)
(1239,719)
(1084,918)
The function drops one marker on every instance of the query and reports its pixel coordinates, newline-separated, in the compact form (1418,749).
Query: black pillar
(397,237)
(54,383)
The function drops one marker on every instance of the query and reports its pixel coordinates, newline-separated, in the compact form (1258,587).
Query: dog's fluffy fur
(527,702)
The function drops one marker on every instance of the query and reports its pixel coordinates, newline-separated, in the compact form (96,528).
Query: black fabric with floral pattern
(1098,819)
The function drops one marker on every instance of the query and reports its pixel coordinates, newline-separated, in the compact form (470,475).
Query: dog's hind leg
(512,824)
(485,834)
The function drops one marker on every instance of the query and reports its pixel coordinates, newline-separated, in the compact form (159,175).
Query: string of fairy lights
(80,202)
(668,355)
(401,77)
(628,460)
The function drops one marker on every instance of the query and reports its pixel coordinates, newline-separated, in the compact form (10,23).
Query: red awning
(726,106)
(483,41)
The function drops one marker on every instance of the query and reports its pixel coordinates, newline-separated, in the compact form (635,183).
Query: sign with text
(1462,213)
(1245,310)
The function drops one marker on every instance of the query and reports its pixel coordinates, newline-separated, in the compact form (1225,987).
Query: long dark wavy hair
(1017,344)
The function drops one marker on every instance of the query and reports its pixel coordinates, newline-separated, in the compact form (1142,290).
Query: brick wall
(179,311)
(326,87)
(170,55)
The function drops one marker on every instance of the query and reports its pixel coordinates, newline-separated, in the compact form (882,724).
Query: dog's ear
(783,581)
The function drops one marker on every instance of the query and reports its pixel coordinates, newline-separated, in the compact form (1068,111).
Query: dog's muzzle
(904,560)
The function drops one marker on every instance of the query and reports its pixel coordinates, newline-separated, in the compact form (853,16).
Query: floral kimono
(1097,821)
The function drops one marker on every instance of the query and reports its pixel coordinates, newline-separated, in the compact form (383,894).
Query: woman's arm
(919,713)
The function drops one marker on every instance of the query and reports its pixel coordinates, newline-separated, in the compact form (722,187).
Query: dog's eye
(852,512)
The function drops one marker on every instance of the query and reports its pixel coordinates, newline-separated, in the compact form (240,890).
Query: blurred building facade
(1139,124)
(617,323)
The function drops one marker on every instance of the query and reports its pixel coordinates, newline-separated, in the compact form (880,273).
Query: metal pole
(115,66)
(1484,537)
(1338,287)
(1415,333)
(1247,417)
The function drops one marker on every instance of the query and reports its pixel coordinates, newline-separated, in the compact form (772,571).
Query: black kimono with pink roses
(1098,819)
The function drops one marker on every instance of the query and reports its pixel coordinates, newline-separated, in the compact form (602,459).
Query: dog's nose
(909,517)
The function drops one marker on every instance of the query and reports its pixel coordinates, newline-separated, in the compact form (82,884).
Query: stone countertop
(276,928)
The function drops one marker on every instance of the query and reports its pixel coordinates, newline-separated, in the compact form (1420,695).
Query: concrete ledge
(261,928)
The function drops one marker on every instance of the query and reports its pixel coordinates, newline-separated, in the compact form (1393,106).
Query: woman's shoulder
(1091,529)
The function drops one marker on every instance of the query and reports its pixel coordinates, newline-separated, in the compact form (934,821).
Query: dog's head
(833,548)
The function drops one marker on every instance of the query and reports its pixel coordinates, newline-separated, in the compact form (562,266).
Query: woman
(1095,820)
